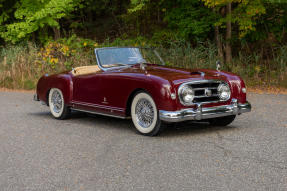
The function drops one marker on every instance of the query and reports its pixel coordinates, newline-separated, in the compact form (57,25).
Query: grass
(255,70)
(22,65)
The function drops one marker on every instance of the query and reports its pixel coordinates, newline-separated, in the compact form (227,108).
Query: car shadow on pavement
(74,115)
(173,129)
(176,129)
(191,127)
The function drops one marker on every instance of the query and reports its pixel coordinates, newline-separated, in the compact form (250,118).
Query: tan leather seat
(85,70)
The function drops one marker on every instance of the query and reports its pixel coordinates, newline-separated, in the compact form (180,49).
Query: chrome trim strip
(200,112)
(213,95)
(98,113)
(203,81)
(97,106)
(211,88)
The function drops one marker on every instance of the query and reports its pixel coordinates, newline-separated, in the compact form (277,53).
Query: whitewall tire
(57,104)
(145,115)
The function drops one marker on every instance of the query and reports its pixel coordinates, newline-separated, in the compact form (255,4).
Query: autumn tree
(242,13)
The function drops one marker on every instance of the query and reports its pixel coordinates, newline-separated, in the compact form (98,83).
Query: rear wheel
(222,121)
(57,104)
(144,114)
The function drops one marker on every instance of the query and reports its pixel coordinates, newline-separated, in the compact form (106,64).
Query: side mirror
(218,65)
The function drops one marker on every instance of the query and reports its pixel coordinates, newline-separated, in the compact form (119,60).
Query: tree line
(231,24)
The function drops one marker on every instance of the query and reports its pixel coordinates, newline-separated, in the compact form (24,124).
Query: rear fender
(63,82)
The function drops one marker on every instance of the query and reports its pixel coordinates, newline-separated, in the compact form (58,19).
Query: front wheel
(222,121)
(57,104)
(144,114)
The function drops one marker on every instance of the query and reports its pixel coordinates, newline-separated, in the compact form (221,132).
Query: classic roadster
(130,82)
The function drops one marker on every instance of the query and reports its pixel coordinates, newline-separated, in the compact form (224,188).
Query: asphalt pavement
(38,152)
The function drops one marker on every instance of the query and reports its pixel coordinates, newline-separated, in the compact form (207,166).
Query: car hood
(178,76)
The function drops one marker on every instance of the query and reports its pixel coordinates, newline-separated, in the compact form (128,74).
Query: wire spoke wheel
(57,104)
(57,101)
(144,114)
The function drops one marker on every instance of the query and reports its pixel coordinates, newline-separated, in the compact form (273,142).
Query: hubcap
(144,113)
(57,101)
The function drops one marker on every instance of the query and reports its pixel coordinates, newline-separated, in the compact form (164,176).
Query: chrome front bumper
(200,112)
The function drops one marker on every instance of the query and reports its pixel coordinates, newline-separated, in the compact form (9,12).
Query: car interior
(82,70)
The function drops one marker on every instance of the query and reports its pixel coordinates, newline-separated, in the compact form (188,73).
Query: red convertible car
(130,82)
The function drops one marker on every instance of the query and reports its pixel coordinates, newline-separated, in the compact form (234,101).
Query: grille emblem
(207,92)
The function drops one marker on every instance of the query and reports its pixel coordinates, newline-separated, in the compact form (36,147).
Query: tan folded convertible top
(85,70)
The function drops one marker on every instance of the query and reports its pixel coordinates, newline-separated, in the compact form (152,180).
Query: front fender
(161,91)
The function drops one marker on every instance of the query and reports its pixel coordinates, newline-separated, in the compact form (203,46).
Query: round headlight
(224,92)
(186,95)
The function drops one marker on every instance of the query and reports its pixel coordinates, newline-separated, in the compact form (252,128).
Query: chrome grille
(205,91)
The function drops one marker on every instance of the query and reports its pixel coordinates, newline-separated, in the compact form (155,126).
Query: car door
(91,93)
(87,89)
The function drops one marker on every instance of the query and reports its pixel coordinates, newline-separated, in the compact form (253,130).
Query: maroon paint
(109,91)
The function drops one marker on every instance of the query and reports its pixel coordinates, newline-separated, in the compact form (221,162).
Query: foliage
(54,35)
(184,19)
(189,18)
(31,15)
(67,51)
(270,26)
(244,14)
(22,65)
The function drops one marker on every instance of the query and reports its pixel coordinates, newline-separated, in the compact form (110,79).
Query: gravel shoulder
(38,152)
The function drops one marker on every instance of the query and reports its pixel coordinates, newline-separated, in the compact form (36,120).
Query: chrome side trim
(97,106)
(98,113)
(200,112)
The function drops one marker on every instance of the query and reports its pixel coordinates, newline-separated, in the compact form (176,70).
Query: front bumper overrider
(201,112)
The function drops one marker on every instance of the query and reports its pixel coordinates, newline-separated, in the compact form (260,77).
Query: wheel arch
(47,96)
(131,97)
(61,82)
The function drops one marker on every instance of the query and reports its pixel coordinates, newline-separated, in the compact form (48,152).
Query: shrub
(22,65)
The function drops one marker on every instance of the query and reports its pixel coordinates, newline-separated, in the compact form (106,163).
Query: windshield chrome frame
(111,68)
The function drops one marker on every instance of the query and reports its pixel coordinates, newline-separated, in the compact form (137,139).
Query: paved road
(101,153)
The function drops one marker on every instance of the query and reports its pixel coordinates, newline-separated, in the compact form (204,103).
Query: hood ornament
(218,65)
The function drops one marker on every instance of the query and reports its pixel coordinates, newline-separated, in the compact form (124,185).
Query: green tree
(189,18)
(7,9)
(242,13)
(31,15)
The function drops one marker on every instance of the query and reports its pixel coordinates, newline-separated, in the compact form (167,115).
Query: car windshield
(116,57)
